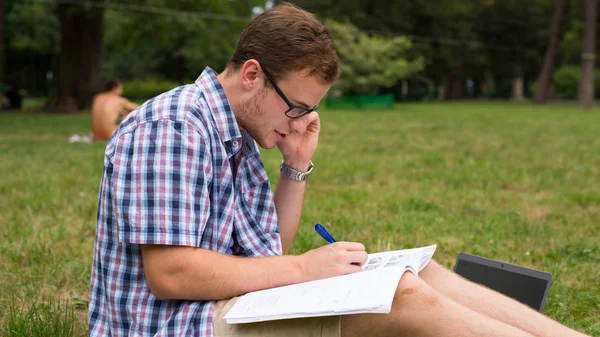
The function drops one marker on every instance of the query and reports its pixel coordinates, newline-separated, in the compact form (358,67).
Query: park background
(468,124)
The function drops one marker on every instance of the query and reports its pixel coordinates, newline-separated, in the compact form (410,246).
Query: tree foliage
(461,39)
(31,30)
(487,41)
(163,39)
(32,39)
(368,63)
(175,42)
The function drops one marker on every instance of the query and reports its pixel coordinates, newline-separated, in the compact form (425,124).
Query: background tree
(185,38)
(32,35)
(2,40)
(513,34)
(490,42)
(545,77)
(588,57)
(370,63)
(497,47)
(134,39)
(77,68)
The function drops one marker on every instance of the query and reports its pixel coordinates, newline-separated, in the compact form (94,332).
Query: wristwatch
(295,175)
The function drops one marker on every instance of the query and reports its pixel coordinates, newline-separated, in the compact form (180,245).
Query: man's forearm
(289,197)
(175,272)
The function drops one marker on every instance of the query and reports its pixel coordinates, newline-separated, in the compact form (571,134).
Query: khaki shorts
(328,326)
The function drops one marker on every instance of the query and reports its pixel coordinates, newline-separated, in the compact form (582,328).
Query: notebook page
(416,258)
(370,291)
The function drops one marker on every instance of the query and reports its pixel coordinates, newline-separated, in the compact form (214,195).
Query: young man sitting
(187,220)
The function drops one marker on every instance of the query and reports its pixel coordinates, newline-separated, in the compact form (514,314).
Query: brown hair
(287,38)
(111,84)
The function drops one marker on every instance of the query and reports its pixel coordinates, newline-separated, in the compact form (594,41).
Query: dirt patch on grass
(537,212)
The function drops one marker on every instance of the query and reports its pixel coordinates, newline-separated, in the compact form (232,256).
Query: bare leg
(492,303)
(418,310)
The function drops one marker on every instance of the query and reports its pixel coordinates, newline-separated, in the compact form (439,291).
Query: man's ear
(251,75)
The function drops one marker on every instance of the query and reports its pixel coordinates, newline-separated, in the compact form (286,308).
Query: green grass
(47,318)
(513,182)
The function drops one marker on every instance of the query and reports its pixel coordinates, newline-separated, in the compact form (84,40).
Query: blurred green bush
(566,82)
(142,90)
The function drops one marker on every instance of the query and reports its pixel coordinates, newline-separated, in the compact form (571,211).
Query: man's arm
(297,149)
(127,106)
(289,198)
(176,272)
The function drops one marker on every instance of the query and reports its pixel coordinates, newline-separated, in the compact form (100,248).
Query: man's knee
(414,292)
(413,297)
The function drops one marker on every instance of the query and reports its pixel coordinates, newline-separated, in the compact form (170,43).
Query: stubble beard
(251,119)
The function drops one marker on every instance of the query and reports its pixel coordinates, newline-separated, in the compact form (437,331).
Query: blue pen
(324,234)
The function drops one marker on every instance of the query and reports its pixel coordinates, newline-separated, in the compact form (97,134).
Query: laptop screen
(523,288)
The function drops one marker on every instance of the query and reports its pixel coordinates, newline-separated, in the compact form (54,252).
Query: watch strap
(295,174)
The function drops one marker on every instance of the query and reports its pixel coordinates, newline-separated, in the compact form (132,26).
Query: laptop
(525,285)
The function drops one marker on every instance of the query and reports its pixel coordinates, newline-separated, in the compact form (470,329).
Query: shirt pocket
(256,224)
(256,190)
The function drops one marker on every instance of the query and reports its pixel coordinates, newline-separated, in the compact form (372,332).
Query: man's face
(264,113)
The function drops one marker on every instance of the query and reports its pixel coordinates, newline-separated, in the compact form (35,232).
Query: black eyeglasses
(293,111)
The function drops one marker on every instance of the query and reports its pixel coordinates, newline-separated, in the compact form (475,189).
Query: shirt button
(235,143)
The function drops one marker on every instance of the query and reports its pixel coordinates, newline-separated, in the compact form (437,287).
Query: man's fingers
(313,123)
(350,246)
(355,252)
(313,117)
(310,123)
(357,257)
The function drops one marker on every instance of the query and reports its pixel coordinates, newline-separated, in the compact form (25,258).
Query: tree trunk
(2,46)
(77,69)
(588,58)
(517,89)
(517,86)
(477,87)
(454,84)
(441,93)
(545,78)
(404,89)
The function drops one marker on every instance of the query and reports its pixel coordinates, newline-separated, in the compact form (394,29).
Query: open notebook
(370,291)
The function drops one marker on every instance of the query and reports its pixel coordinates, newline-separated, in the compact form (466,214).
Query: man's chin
(265,144)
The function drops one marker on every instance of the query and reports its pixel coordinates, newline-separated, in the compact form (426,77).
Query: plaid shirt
(168,180)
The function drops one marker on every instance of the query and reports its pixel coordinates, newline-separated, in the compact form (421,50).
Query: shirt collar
(220,107)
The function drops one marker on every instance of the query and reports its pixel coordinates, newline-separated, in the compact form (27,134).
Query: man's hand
(299,146)
(333,260)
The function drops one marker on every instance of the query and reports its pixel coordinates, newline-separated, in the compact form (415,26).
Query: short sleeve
(161,174)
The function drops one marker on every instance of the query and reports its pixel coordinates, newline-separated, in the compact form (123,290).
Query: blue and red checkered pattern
(168,180)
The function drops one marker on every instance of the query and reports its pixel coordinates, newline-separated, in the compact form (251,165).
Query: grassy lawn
(513,182)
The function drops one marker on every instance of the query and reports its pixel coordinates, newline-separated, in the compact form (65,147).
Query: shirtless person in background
(107,107)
